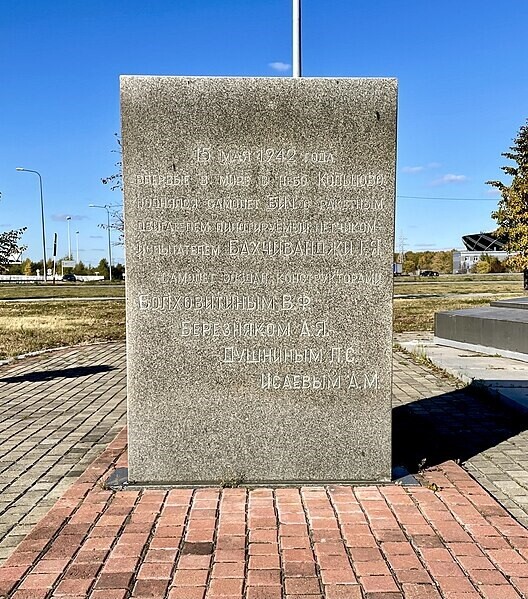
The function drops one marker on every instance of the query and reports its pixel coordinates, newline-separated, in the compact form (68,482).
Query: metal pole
(54,256)
(68,219)
(45,266)
(105,207)
(109,245)
(296,60)
(45,269)
(77,244)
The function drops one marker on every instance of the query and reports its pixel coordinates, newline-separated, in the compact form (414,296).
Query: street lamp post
(105,207)
(27,170)
(296,60)
(68,219)
(77,245)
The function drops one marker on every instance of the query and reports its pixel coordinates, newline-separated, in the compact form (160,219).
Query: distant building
(476,245)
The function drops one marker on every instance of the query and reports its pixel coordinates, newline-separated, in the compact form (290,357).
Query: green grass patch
(49,291)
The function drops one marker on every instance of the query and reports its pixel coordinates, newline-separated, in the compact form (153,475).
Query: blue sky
(463,89)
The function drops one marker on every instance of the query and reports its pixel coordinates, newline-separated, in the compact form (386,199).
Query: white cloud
(280,66)
(449,178)
(420,168)
(493,192)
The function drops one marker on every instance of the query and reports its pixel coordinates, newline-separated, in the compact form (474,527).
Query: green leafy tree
(118,271)
(102,268)
(512,212)
(80,268)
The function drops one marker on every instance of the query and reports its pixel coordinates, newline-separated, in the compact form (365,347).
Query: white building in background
(476,245)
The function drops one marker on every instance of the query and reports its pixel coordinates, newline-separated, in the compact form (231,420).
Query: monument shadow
(453,426)
(48,375)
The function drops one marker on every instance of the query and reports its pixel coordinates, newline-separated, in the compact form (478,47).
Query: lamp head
(19,168)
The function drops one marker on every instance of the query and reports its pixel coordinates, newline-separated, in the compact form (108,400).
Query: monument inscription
(259,240)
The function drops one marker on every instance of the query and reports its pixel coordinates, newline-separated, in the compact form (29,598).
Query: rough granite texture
(259,241)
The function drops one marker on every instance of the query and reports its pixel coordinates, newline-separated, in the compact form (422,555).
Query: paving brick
(194,562)
(378,584)
(30,594)
(190,577)
(263,577)
(302,586)
(187,593)
(39,581)
(151,570)
(114,580)
(499,592)
(342,591)
(73,587)
(221,587)
(263,592)
(228,570)
(150,588)
(109,594)
(264,562)
(341,576)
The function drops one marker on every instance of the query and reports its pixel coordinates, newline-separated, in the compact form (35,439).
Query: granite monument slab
(259,226)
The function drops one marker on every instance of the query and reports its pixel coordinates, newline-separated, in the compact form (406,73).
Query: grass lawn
(32,326)
(27,327)
(41,291)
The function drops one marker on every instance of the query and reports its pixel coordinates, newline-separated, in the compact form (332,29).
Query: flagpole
(296,62)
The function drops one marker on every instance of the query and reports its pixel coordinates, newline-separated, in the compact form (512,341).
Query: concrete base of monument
(118,481)
(481,349)
(499,329)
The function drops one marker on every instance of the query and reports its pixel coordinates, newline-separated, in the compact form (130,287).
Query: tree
(102,268)
(10,246)
(80,268)
(115,182)
(118,271)
(482,267)
(26,267)
(512,213)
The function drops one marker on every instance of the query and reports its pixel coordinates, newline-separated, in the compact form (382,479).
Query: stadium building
(476,245)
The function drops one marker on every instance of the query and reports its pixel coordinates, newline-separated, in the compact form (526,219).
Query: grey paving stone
(51,433)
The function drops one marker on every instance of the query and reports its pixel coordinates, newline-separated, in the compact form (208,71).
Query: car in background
(429,273)
(69,278)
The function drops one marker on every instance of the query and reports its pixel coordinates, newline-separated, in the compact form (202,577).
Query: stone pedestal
(259,243)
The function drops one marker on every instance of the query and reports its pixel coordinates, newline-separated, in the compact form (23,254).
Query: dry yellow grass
(28,327)
(418,314)
(32,326)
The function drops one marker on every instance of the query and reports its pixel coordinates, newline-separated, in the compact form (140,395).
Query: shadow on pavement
(48,375)
(452,426)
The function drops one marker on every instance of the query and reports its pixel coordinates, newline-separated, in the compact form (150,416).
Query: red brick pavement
(447,539)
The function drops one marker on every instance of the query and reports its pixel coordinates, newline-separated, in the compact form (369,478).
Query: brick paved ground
(59,411)
(336,542)
(433,421)
(447,539)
